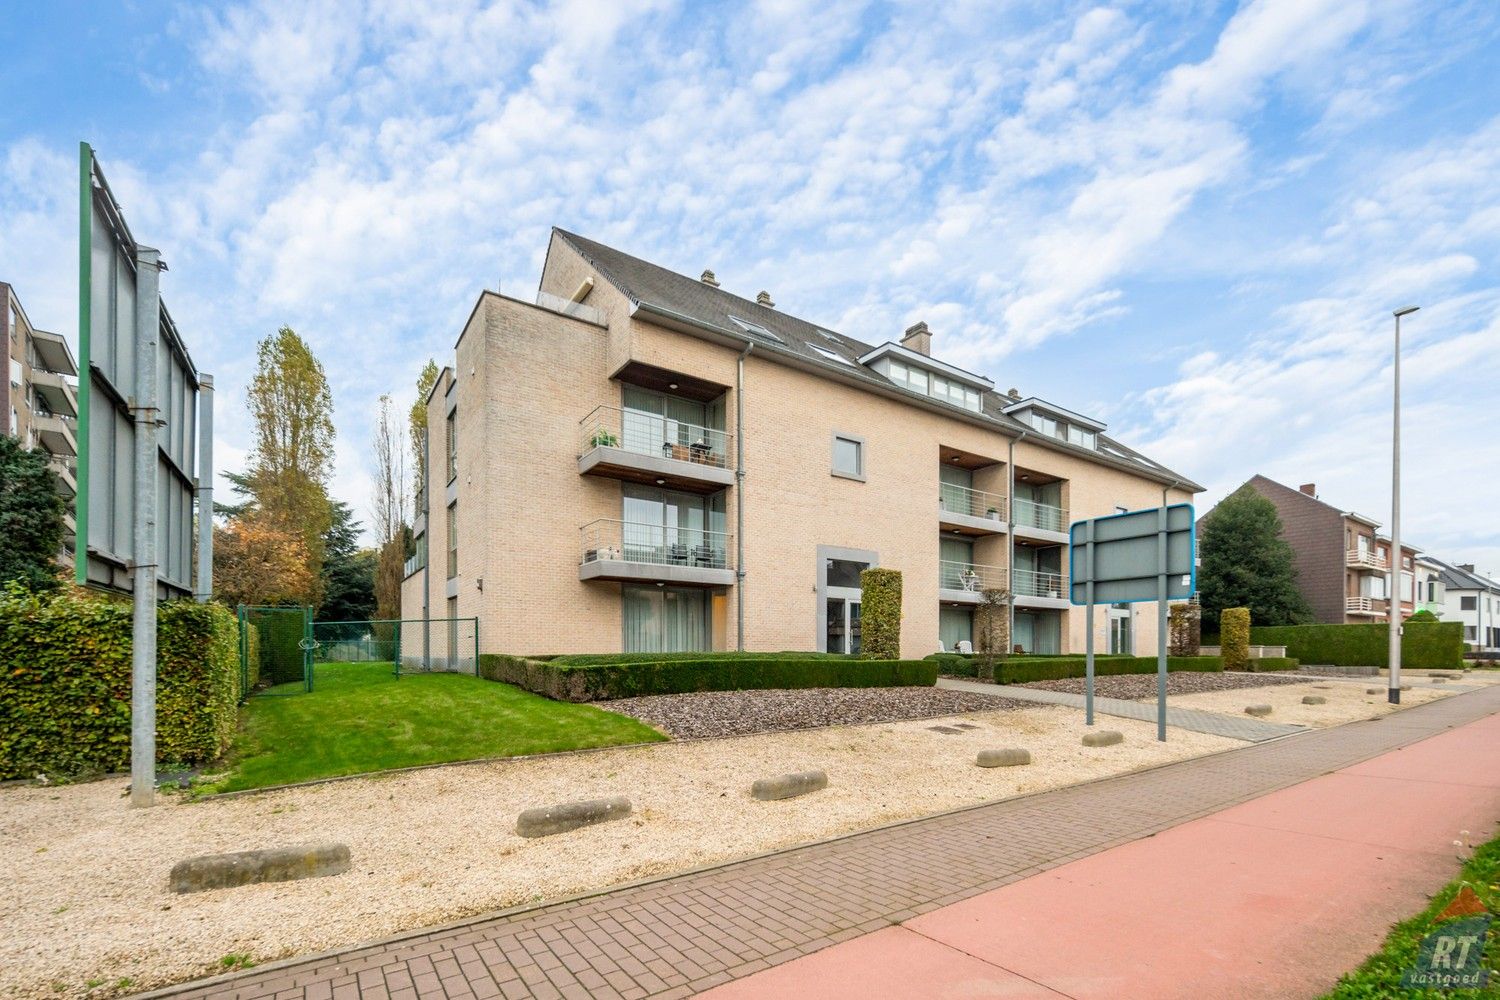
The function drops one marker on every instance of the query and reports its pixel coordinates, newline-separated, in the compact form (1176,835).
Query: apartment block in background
(1343,562)
(643,461)
(1473,599)
(40,399)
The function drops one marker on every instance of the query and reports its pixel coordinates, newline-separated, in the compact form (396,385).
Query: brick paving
(1234,727)
(680,935)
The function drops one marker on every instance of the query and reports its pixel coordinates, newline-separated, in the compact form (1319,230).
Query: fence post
(398,649)
(307,649)
(239,614)
(476,646)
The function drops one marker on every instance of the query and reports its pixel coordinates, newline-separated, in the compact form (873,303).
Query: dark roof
(697,302)
(1457,578)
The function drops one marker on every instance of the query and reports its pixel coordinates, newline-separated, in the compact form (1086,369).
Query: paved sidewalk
(685,934)
(1217,907)
(1234,727)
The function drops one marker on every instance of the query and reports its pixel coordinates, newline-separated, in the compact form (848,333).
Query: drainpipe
(739,497)
(1010,548)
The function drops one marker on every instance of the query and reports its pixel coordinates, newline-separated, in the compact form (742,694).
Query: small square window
(848,457)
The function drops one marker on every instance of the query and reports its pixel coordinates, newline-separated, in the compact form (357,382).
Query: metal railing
(658,544)
(971,502)
(1366,558)
(1030,514)
(1038,583)
(655,435)
(971,577)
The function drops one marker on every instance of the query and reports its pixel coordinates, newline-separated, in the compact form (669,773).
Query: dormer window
(1081,436)
(932,384)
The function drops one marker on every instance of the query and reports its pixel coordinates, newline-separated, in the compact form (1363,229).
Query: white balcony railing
(970,502)
(1365,605)
(658,544)
(970,577)
(1038,583)
(654,435)
(1365,559)
(1030,514)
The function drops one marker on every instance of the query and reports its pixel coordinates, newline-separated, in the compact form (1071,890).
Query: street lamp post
(1393,595)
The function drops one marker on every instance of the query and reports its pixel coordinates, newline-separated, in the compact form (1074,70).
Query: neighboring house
(641,460)
(40,399)
(1474,600)
(1431,590)
(1343,563)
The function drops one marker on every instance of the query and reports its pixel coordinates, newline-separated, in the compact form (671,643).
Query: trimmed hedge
(880,614)
(1024,669)
(65,686)
(590,681)
(1271,664)
(1430,645)
(1234,638)
(592,659)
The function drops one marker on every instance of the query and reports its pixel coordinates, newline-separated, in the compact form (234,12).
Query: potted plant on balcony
(603,439)
(969,579)
(993,513)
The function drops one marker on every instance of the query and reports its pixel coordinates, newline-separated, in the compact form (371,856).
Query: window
(452,540)
(830,355)
(1043,423)
(848,457)
(452,446)
(756,330)
(665,619)
(934,385)
(1468,604)
(1080,436)
(1471,632)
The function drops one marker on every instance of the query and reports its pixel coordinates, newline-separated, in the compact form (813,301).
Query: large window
(1468,603)
(665,619)
(452,540)
(934,385)
(452,439)
(655,423)
(848,457)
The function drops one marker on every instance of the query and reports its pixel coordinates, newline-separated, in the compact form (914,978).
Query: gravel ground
(741,713)
(1347,702)
(1134,686)
(83,878)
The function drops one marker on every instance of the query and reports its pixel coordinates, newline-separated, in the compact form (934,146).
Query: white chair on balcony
(965,646)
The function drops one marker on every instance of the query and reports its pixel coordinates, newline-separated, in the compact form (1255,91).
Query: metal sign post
(1143,555)
(143,629)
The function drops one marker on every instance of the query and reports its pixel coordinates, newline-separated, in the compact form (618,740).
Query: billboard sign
(113,304)
(1122,555)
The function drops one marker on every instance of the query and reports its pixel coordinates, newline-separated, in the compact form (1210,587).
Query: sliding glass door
(665,619)
(663,526)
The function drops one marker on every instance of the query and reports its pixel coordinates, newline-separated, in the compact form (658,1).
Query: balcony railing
(1030,514)
(1365,559)
(970,577)
(657,544)
(971,502)
(1365,605)
(1038,583)
(654,435)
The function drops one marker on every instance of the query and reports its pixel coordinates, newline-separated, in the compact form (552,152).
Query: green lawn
(359,717)
(1380,975)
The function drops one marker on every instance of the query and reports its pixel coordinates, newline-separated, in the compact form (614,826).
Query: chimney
(1311,489)
(709,279)
(1466,567)
(918,338)
(1014,393)
(764,298)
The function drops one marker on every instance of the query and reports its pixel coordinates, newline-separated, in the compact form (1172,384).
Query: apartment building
(1343,562)
(642,460)
(1473,599)
(40,398)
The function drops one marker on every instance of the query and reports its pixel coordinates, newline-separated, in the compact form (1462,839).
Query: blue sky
(1188,219)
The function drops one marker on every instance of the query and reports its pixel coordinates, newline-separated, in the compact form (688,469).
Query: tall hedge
(1234,638)
(1435,645)
(880,614)
(65,683)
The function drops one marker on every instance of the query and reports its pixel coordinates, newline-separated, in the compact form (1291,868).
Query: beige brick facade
(524,377)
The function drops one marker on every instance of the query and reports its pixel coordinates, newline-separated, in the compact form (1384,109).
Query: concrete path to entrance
(1257,871)
(1234,727)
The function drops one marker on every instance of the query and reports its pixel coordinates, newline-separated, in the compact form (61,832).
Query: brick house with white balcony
(639,460)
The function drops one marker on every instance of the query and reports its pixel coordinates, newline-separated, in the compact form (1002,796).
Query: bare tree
(392,502)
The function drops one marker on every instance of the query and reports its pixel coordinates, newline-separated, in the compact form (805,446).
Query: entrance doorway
(1120,639)
(843,625)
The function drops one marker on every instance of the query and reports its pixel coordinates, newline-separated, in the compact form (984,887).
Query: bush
(880,614)
(1429,645)
(573,681)
(1234,638)
(594,659)
(1183,635)
(65,692)
(1024,669)
(1271,664)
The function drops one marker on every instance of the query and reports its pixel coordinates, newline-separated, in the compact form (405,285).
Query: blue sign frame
(1076,552)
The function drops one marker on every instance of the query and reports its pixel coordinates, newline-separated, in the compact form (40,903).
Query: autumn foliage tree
(258,563)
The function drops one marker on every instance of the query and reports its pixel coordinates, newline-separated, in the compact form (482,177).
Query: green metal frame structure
(85,324)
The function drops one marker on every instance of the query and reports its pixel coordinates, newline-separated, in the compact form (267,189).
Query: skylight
(756,330)
(830,355)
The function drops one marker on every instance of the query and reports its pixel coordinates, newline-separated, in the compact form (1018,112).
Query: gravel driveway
(1135,686)
(741,713)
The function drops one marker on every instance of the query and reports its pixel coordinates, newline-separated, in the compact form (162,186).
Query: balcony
(54,433)
(969,511)
(965,583)
(55,392)
(66,481)
(1373,606)
(654,553)
(1040,589)
(1365,560)
(1040,521)
(646,448)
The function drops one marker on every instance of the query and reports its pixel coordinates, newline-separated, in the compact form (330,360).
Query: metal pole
(1088,619)
(205,487)
(1393,598)
(85,359)
(1161,624)
(143,552)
